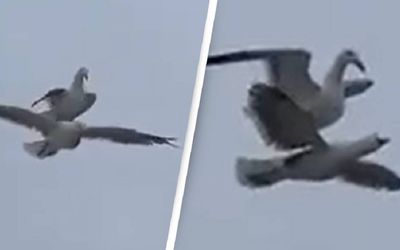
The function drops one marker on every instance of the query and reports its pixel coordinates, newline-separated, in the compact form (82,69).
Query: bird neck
(77,84)
(334,77)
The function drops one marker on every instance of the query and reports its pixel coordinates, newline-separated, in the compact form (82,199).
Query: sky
(142,57)
(217,212)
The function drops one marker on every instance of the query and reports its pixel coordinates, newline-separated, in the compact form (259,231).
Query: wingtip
(170,141)
(394,186)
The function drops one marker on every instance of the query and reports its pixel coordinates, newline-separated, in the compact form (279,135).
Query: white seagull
(67,134)
(67,104)
(288,126)
(288,70)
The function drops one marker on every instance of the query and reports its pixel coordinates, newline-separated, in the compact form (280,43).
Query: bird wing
(370,174)
(279,120)
(90,99)
(356,87)
(288,69)
(125,136)
(53,96)
(27,118)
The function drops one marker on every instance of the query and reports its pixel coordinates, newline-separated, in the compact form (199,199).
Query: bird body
(67,104)
(68,134)
(288,71)
(335,162)
(65,135)
(283,123)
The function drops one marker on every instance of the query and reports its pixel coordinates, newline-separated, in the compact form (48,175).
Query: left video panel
(94,104)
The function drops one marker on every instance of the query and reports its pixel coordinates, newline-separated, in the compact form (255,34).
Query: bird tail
(39,149)
(255,173)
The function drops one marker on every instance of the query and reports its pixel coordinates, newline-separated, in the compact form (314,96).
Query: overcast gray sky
(142,57)
(217,213)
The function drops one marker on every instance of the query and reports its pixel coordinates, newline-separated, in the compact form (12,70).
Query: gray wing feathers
(27,118)
(369,174)
(53,96)
(126,136)
(356,87)
(281,121)
(90,99)
(288,69)
(289,72)
(256,54)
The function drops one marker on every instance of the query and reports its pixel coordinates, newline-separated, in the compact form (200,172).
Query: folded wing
(279,120)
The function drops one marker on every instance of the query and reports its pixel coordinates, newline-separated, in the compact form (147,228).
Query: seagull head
(374,142)
(382,140)
(82,74)
(349,56)
(367,144)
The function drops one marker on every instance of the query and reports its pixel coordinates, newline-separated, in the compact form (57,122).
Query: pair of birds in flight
(59,128)
(288,113)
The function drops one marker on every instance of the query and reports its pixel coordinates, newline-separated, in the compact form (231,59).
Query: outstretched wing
(27,118)
(288,69)
(370,174)
(279,120)
(126,136)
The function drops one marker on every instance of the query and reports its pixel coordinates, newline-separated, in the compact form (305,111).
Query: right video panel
(296,145)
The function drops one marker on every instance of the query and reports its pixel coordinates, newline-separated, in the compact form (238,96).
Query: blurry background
(142,57)
(217,213)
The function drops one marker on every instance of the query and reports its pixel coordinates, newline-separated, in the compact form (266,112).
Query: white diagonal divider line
(201,68)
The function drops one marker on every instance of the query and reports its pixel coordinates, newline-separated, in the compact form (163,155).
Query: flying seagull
(68,134)
(288,70)
(67,104)
(290,127)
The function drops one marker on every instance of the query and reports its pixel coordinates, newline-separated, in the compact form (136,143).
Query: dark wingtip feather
(394,185)
(170,141)
(165,140)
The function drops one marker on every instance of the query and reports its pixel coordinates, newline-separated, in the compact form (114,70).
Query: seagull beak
(360,65)
(383,140)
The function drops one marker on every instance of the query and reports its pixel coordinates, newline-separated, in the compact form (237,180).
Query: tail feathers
(39,149)
(255,173)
